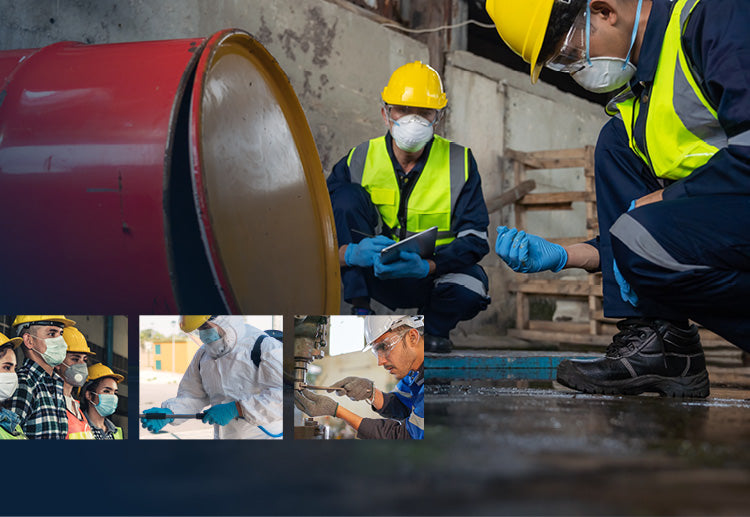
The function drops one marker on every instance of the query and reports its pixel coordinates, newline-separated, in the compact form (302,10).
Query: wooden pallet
(598,331)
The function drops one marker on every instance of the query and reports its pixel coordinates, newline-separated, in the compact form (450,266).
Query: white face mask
(8,385)
(411,132)
(605,74)
(56,349)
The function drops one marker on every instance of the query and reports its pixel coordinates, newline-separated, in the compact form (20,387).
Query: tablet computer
(422,243)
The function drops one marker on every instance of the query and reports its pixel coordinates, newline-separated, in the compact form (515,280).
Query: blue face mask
(107,404)
(209,335)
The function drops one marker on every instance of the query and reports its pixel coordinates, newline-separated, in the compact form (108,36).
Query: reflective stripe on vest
(682,128)
(446,171)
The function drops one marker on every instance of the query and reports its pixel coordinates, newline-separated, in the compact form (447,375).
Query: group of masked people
(57,392)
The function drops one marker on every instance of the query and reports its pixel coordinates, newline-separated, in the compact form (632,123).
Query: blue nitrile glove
(528,253)
(626,292)
(409,265)
(221,414)
(363,253)
(155,425)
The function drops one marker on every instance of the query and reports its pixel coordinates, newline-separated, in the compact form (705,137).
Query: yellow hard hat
(24,321)
(190,323)
(99,370)
(75,341)
(415,84)
(15,341)
(525,26)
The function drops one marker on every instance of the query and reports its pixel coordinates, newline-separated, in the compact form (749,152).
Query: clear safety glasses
(572,54)
(395,112)
(383,348)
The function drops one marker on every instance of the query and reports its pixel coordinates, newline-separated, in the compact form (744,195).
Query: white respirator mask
(411,132)
(8,385)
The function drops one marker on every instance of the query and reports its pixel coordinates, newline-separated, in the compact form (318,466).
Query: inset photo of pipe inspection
(63,377)
(359,377)
(211,377)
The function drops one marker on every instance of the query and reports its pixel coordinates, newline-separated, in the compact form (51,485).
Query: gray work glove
(314,405)
(356,388)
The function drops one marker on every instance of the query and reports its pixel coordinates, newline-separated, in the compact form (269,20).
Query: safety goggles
(384,347)
(395,112)
(572,53)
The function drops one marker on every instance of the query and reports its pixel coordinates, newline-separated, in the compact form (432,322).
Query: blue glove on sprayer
(364,252)
(221,414)
(156,425)
(527,253)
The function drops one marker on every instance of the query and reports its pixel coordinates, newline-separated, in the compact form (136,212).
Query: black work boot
(647,355)
(437,344)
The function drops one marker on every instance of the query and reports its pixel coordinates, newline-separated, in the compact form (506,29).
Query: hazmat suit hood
(230,328)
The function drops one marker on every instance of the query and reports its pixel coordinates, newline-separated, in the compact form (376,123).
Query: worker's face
(72,358)
(34,339)
(8,361)
(212,325)
(107,385)
(398,359)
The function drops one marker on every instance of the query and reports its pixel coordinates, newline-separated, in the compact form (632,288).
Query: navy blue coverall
(692,258)
(458,289)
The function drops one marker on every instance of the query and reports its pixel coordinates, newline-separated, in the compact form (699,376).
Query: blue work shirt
(469,219)
(403,409)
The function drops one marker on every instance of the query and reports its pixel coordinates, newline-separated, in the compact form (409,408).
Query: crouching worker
(236,373)
(398,344)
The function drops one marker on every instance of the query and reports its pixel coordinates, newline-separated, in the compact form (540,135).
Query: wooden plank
(559,326)
(555,159)
(560,337)
(554,287)
(548,198)
(522,311)
(510,196)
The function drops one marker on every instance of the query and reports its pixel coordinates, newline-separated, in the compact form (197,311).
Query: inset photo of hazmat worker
(211,377)
(359,377)
(62,377)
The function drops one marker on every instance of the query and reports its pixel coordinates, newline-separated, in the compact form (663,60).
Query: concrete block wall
(338,63)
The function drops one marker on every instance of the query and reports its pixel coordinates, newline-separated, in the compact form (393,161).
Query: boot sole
(694,386)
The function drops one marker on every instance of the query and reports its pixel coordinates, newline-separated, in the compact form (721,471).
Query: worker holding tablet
(407,181)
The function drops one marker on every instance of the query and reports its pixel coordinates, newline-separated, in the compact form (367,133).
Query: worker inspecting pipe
(407,181)
(236,373)
(39,400)
(672,178)
(398,345)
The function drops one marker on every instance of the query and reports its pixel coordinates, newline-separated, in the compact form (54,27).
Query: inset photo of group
(359,377)
(211,377)
(63,377)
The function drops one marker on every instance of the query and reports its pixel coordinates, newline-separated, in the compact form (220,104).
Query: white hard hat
(376,326)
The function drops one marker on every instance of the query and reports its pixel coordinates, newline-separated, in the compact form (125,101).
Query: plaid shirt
(40,403)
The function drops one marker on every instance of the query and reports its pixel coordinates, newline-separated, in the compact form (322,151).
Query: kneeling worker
(237,371)
(402,183)
(398,344)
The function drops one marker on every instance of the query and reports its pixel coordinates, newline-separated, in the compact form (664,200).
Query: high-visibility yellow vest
(5,435)
(433,198)
(118,434)
(682,128)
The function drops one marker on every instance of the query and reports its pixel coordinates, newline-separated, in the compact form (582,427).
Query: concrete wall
(492,109)
(338,63)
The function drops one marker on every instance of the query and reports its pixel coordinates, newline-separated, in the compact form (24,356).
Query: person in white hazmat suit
(237,371)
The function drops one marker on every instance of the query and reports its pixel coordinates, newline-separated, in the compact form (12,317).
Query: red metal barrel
(160,177)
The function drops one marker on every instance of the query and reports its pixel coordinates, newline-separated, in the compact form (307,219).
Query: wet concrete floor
(530,446)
